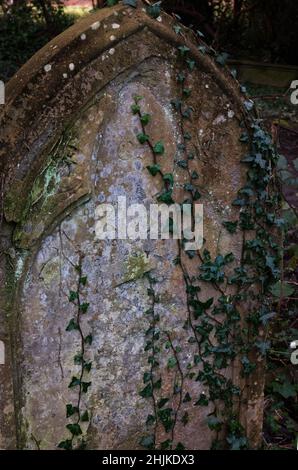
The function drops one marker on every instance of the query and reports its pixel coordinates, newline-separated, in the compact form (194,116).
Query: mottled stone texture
(69,144)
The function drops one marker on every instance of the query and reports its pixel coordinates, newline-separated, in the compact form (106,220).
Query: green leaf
(182,164)
(168,178)
(148,442)
(72,296)
(88,339)
(71,410)
(202,401)
(172,362)
(186,398)
(131,3)
(111,3)
(84,307)
(147,391)
(72,325)
(183,50)
(162,402)
(177,28)
(135,108)
(75,429)
(66,445)
(191,64)
(78,359)
(286,389)
(85,386)
(166,197)
(154,10)
(85,416)
(154,169)
(83,280)
(282,289)
(159,148)
(150,420)
(74,382)
(222,58)
(214,423)
(88,366)
(230,226)
(145,119)
(142,138)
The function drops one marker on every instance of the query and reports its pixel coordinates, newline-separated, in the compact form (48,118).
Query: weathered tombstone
(69,144)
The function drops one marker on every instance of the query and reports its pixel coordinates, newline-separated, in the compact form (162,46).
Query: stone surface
(69,144)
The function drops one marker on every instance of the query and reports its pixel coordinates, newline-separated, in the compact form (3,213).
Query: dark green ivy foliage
(78,382)
(259,204)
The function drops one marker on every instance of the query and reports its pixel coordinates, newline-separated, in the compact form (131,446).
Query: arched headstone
(69,144)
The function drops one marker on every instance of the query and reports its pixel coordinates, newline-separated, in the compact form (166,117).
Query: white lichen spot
(115,26)
(65,75)
(219,120)
(83,36)
(159,19)
(206,86)
(47,68)
(231,114)
(71,66)
(95,25)
(112,38)
(112,51)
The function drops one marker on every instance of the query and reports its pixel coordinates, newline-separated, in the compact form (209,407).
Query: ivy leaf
(88,339)
(72,296)
(183,50)
(221,59)
(145,119)
(85,416)
(182,164)
(248,105)
(166,197)
(71,410)
(85,386)
(72,325)
(142,138)
(74,382)
(153,169)
(135,108)
(284,289)
(230,226)
(150,420)
(148,442)
(191,64)
(214,423)
(186,398)
(83,280)
(78,359)
(202,49)
(146,377)
(88,366)
(75,429)
(172,362)
(84,307)
(177,28)
(159,148)
(131,3)
(162,402)
(202,401)
(147,391)
(286,389)
(187,92)
(154,10)
(66,445)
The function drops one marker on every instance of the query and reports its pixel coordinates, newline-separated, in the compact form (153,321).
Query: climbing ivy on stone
(74,411)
